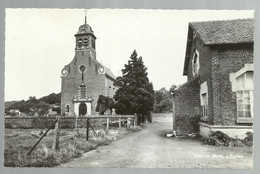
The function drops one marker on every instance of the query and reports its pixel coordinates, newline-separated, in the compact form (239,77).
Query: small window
(93,44)
(244,94)
(204,100)
(204,105)
(244,107)
(195,63)
(80,42)
(67,108)
(86,42)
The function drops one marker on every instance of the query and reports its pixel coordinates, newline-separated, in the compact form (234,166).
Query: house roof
(225,32)
(212,33)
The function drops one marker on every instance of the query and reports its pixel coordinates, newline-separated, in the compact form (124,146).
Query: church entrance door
(82,109)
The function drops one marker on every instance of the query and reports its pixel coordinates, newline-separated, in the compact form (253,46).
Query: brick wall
(230,60)
(216,63)
(187,107)
(205,71)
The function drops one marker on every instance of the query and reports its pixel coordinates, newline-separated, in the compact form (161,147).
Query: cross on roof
(85,16)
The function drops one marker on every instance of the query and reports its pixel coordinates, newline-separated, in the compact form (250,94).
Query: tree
(162,101)
(173,88)
(57,109)
(135,93)
(51,98)
(103,104)
(30,106)
(41,108)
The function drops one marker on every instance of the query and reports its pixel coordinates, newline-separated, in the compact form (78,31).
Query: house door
(82,109)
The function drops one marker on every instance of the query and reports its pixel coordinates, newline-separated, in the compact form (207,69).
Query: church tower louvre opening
(84,78)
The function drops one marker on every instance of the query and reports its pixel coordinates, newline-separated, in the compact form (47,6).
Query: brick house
(84,78)
(218,94)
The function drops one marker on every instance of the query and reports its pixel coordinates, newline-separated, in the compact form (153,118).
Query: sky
(40,42)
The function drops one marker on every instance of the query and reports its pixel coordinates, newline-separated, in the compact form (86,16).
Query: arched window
(80,42)
(67,109)
(195,63)
(86,42)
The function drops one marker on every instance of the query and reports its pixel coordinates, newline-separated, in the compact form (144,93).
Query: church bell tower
(85,38)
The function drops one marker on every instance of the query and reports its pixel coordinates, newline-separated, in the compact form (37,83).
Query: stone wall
(162,117)
(46,122)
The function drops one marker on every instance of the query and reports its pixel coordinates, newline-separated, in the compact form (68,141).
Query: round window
(82,68)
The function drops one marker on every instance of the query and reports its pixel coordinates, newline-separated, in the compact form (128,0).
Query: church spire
(85,16)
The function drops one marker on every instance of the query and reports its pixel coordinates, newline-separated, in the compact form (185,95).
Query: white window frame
(204,101)
(205,106)
(233,78)
(195,65)
(244,103)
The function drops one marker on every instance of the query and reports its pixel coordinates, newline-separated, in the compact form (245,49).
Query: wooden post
(119,122)
(56,134)
(128,122)
(87,129)
(76,123)
(135,120)
(107,123)
(41,138)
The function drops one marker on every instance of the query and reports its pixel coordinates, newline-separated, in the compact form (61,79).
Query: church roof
(225,31)
(85,29)
(109,73)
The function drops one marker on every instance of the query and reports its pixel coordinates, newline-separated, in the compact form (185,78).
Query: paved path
(150,148)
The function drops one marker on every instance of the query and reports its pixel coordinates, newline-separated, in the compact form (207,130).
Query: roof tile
(225,31)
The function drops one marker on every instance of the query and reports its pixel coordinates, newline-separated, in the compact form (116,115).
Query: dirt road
(150,148)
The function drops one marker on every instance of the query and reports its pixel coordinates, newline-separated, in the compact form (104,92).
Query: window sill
(245,120)
(204,118)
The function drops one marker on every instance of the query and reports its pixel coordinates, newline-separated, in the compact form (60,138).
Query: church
(84,78)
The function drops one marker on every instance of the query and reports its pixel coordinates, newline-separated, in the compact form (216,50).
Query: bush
(219,138)
(248,140)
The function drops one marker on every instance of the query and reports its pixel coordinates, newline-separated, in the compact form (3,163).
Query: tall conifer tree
(135,93)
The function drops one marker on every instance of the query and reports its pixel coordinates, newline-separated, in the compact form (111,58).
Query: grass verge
(72,145)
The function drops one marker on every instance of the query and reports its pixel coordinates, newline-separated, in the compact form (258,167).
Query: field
(73,144)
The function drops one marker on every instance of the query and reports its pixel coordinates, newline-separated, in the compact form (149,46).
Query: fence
(32,122)
(57,123)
